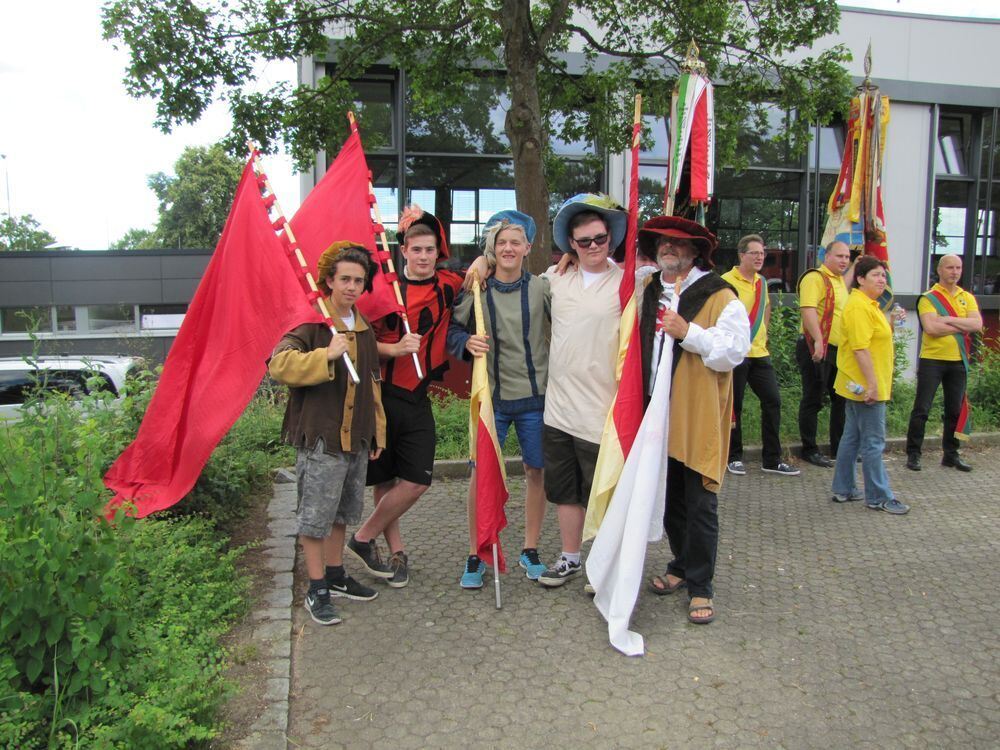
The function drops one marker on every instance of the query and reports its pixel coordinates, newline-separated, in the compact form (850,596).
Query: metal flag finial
(692,62)
(868,66)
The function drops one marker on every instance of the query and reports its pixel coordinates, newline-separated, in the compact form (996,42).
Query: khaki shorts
(331,488)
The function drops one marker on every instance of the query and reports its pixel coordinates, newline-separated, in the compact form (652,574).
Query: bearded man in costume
(687,307)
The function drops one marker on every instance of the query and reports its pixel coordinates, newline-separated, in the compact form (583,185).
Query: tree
(195,202)
(23,233)
(135,239)
(184,56)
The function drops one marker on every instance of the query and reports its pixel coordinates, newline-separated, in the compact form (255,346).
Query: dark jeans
(758,373)
(691,520)
(930,374)
(817,380)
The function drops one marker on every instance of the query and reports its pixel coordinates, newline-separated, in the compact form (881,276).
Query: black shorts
(410,441)
(569,467)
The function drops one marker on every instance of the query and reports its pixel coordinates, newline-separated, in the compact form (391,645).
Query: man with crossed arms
(948,315)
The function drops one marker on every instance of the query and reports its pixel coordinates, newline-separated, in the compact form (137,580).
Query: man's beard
(673,265)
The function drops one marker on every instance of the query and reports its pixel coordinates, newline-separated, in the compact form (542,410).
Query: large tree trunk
(524,128)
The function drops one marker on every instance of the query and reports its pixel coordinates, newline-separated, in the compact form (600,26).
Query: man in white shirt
(699,315)
(582,358)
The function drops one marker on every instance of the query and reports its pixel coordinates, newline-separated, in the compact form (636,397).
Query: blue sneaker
(472,578)
(895,507)
(533,567)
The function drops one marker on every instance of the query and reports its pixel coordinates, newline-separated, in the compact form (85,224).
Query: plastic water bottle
(856,388)
(898,313)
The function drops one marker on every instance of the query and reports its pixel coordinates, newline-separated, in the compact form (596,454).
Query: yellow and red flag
(623,420)
(484,450)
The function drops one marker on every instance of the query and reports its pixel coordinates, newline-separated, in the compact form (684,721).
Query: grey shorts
(331,489)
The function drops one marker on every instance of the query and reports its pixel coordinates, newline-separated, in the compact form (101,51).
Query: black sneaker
(399,564)
(320,607)
(781,468)
(348,588)
(367,554)
(559,573)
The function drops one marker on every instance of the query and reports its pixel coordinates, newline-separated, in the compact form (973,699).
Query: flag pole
(496,574)
(388,257)
(287,228)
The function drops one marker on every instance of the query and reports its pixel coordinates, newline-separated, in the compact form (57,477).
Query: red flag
(339,208)
(248,298)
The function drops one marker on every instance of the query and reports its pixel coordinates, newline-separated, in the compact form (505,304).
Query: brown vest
(701,400)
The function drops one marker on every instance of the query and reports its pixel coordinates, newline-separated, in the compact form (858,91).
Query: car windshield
(16,385)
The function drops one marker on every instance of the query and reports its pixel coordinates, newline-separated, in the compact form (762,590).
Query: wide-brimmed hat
(515,218)
(329,258)
(414,214)
(601,204)
(680,228)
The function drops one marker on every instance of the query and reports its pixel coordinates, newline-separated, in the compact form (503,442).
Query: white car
(64,374)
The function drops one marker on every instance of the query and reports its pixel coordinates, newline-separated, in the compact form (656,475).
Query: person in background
(756,370)
(864,381)
(948,315)
(822,294)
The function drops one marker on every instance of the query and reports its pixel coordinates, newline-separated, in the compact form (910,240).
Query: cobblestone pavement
(838,627)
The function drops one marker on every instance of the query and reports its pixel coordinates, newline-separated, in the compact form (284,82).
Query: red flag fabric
(339,208)
(248,298)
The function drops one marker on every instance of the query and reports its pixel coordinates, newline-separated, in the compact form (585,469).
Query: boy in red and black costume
(403,472)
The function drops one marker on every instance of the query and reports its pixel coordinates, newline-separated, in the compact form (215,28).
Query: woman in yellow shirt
(864,379)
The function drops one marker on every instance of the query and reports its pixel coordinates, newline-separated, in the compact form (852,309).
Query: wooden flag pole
(388,259)
(320,302)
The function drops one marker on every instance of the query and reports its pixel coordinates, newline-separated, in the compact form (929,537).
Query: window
(111,318)
(66,319)
(760,139)
(952,155)
(161,317)
(374,109)
(25,320)
(831,147)
(473,124)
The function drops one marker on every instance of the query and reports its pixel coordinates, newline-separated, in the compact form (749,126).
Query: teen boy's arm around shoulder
(298,363)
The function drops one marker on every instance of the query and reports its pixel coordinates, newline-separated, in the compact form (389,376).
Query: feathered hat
(414,214)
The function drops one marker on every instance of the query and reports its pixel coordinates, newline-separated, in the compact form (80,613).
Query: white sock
(573,557)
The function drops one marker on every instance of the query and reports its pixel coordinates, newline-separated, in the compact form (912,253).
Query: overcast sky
(78,149)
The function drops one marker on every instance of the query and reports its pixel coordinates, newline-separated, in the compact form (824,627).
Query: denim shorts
(528,426)
(331,489)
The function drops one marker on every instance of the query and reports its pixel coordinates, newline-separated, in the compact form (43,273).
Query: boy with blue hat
(517,314)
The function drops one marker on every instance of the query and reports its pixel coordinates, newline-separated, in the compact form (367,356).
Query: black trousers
(691,520)
(930,374)
(758,373)
(817,381)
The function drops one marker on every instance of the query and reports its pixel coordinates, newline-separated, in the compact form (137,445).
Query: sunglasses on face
(599,240)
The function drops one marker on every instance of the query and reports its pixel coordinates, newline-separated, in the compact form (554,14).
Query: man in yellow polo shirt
(822,294)
(756,369)
(948,315)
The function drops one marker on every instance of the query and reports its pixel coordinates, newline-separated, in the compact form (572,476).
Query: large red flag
(249,296)
(339,208)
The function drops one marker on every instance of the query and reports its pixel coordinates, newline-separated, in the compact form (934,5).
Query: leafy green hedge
(109,634)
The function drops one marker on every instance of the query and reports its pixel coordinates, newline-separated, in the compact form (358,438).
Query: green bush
(109,633)
(451,418)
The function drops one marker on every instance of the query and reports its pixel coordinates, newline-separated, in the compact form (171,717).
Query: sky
(77,148)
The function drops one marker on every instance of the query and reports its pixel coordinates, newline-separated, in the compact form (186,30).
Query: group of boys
(380,431)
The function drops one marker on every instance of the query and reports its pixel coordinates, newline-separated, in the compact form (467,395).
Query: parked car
(76,376)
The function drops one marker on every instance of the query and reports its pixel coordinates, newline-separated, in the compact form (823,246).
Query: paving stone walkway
(838,627)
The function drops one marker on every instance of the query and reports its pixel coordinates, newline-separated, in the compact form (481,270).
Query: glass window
(831,147)
(374,108)
(161,317)
(577,146)
(656,145)
(473,124)
(652,185)
(572,177)
(764,203)
(111,318)
(760,141)
(954,134)
(25,320)
(65,318)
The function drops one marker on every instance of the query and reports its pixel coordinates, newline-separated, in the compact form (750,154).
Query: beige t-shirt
(583,352)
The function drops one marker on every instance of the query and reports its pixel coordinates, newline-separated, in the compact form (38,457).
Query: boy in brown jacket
(334,424)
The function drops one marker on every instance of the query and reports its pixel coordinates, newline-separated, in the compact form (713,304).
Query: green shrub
(109,633)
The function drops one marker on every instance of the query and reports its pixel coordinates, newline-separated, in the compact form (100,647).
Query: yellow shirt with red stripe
(745,289)
(812,293)
(865,327)
(944,347)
